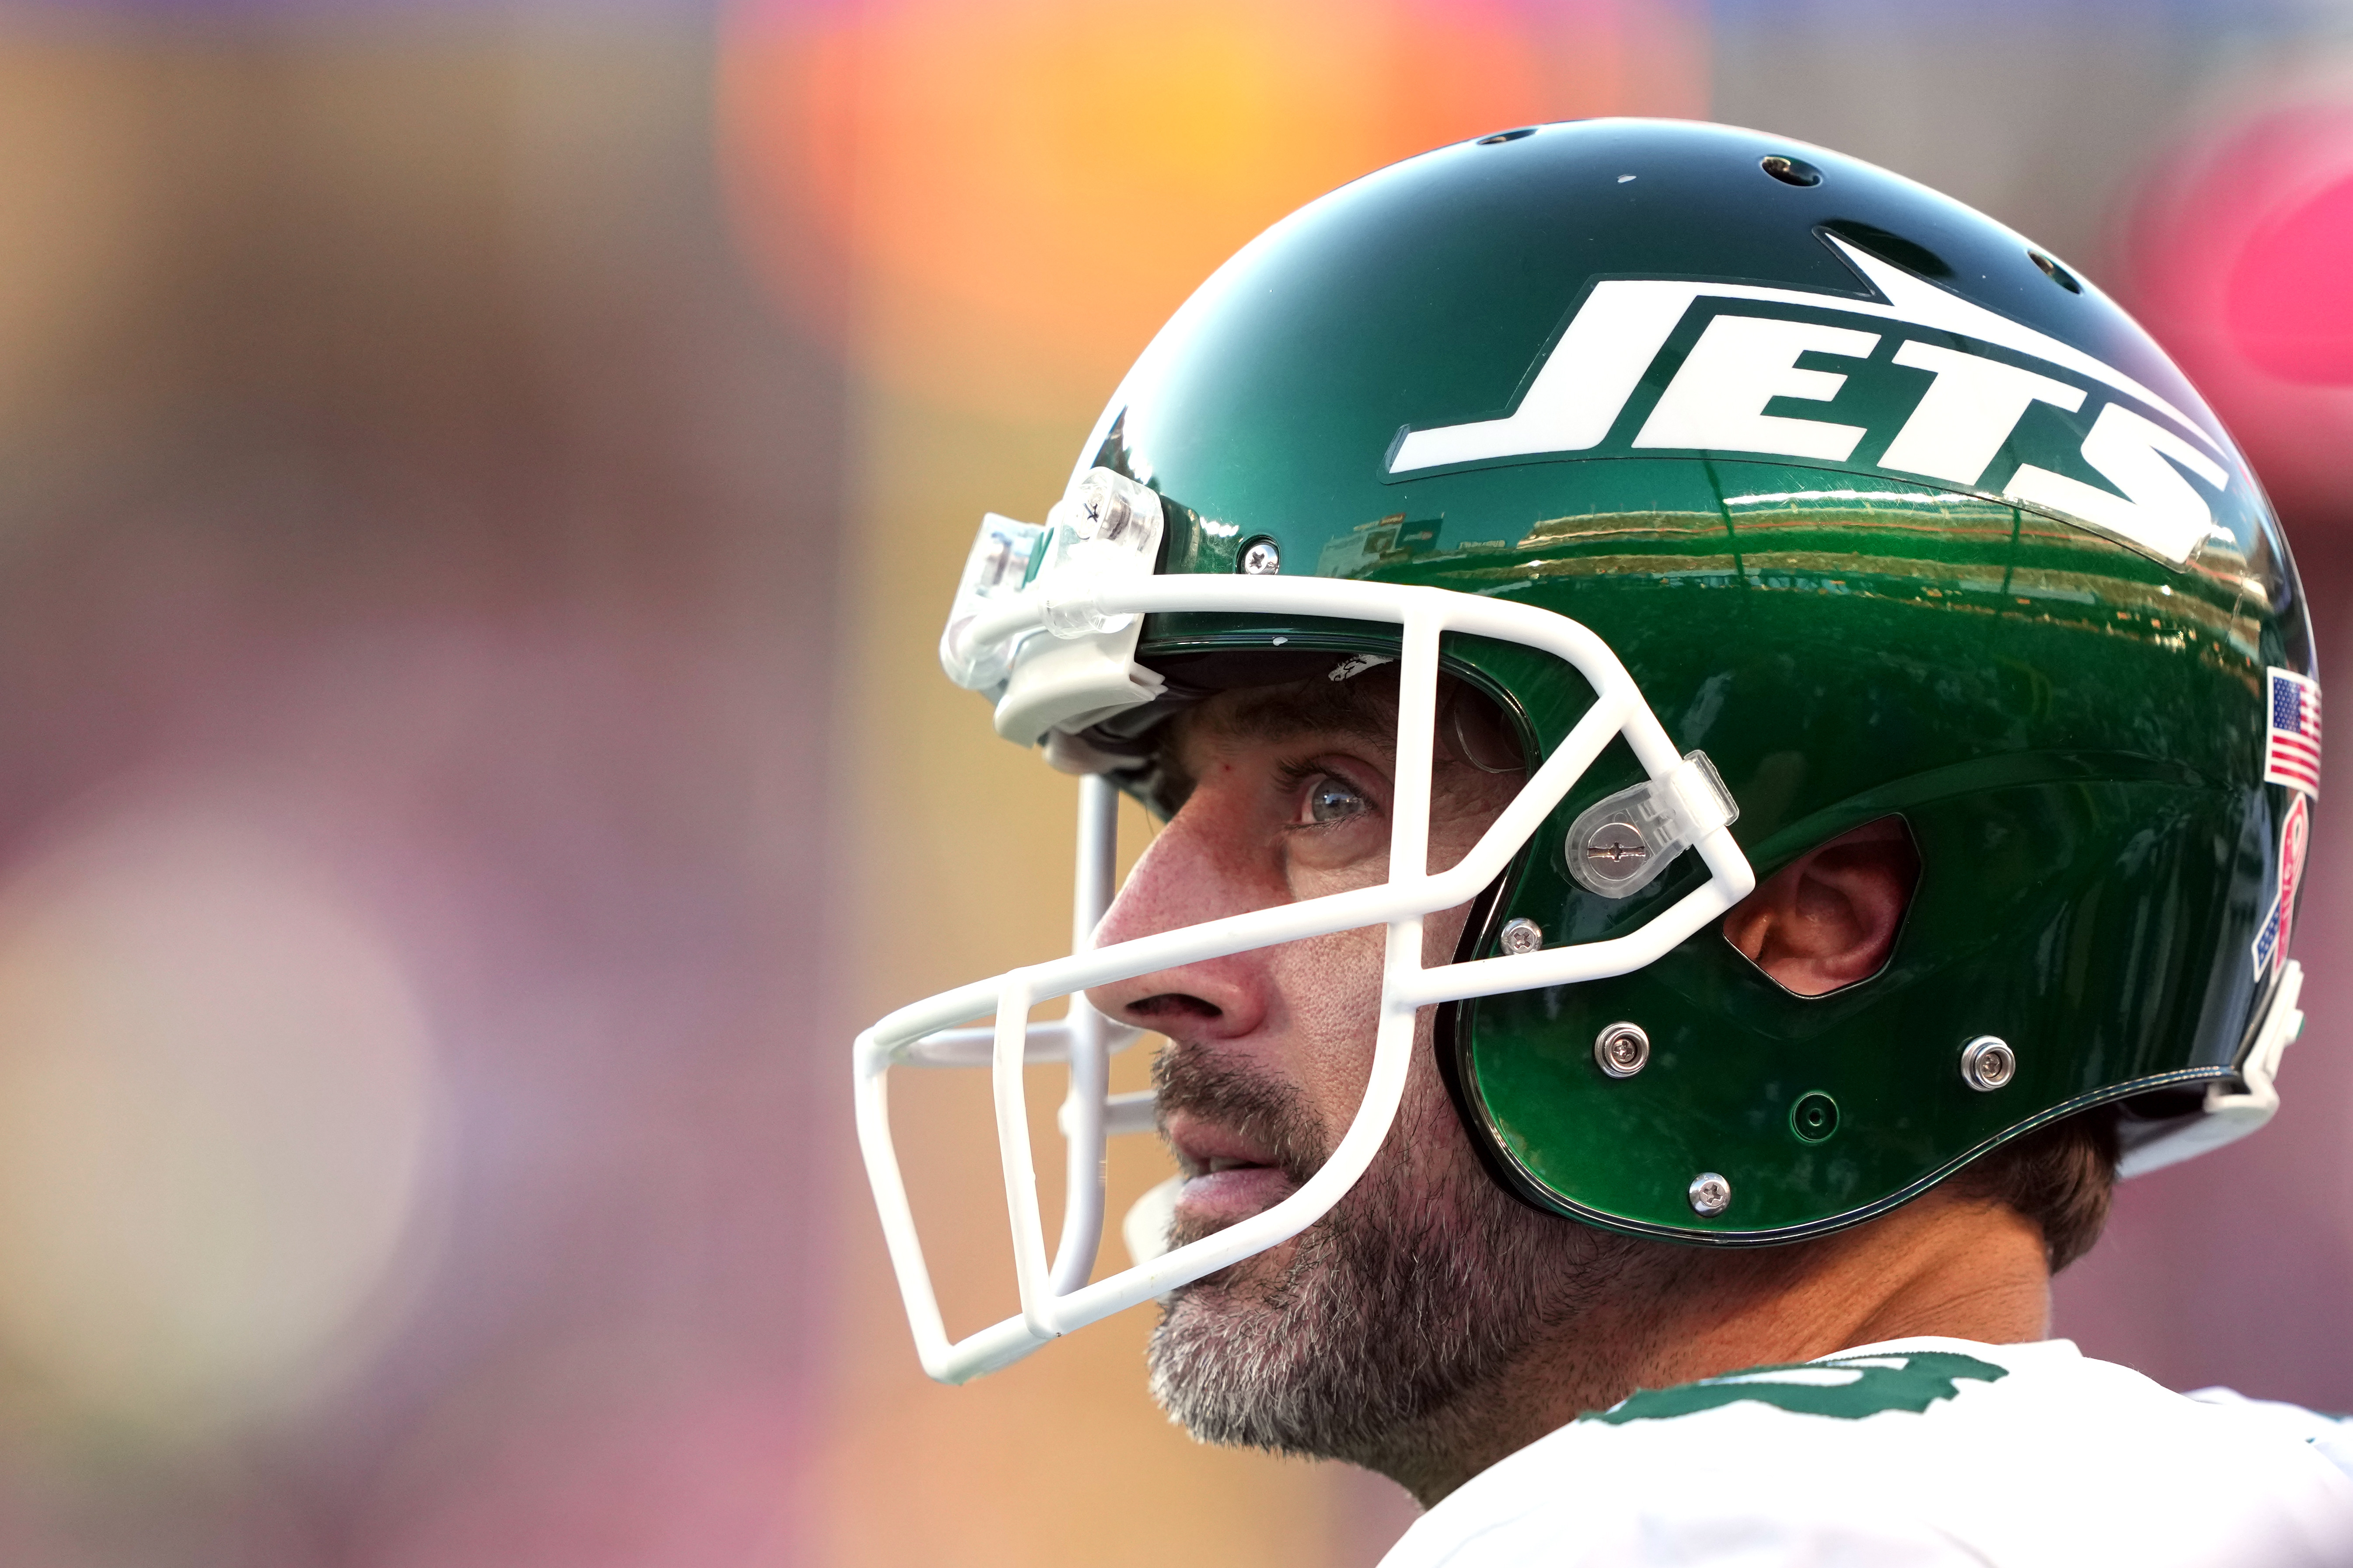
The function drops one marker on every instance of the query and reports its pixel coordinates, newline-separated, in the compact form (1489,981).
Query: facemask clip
(1619,845)
(1103,536)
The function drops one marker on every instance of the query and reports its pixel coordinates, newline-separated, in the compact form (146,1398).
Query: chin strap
(2226,1117)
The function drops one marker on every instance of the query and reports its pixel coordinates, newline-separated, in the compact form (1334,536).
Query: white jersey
(1910,1454)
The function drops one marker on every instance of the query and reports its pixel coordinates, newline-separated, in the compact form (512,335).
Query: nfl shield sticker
(2291,732)
(2271,938)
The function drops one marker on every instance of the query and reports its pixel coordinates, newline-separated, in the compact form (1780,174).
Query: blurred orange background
(479,487)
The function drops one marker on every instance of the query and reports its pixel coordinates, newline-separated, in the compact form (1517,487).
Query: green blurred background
(479,485)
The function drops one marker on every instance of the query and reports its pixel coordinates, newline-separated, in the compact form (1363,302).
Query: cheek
(1441,933)
(1337,859)
(1330,990)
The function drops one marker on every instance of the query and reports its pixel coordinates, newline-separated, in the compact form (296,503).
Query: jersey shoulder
(2329,1437)
(1924,1451)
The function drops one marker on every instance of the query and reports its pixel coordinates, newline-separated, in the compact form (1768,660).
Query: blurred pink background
(477,487)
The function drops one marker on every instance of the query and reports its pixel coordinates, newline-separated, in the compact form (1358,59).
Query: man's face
(1426,1280)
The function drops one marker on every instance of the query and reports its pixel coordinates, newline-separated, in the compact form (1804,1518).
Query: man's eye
(1333,800)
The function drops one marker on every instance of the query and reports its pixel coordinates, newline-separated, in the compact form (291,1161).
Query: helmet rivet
(1260,558)
(1987,1063)
(1711,1195)
(1621,1050)
(1521,934)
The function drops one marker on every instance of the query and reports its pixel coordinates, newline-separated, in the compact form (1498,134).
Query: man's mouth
(1227,1178)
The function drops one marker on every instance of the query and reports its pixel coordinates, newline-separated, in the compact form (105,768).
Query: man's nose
(1198,868)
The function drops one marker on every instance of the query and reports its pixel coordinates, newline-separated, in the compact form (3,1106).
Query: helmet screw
(1711,1195)
(1987,1063)
(1621,1050)
(1615,851)
(1261,558)
(1521,934)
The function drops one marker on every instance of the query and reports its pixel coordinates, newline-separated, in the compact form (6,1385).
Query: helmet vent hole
(1790,171)
(1503,136)
(2056,273)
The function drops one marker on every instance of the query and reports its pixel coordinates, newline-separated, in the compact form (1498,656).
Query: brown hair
(2061,1176)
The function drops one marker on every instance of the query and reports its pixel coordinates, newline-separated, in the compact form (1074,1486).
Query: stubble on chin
(1389,1324)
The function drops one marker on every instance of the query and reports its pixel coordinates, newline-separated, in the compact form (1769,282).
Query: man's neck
(1941,1266)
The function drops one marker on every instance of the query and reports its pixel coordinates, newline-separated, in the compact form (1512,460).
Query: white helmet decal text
(1717,397)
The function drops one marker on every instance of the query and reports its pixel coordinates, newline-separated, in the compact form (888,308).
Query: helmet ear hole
(1827,921)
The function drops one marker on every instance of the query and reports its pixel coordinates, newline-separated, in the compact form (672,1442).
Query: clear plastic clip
(1107,530)
(998,567)
(1104,534)
(1619,845)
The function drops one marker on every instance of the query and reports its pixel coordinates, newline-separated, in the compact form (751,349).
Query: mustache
(1267,1113)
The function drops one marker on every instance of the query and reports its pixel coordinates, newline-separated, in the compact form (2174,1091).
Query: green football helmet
(1767,494)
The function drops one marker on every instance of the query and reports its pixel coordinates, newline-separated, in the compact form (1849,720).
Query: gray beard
(1391,1327)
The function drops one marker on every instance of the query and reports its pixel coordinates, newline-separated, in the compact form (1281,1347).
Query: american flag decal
(2291,732)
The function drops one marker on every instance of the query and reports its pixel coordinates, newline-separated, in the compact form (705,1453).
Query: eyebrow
(1367,712)
(1344,709)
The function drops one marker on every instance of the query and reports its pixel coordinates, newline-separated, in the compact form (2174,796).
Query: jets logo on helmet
(1973,422)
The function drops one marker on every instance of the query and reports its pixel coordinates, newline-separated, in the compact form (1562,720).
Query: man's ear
(1828,919)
